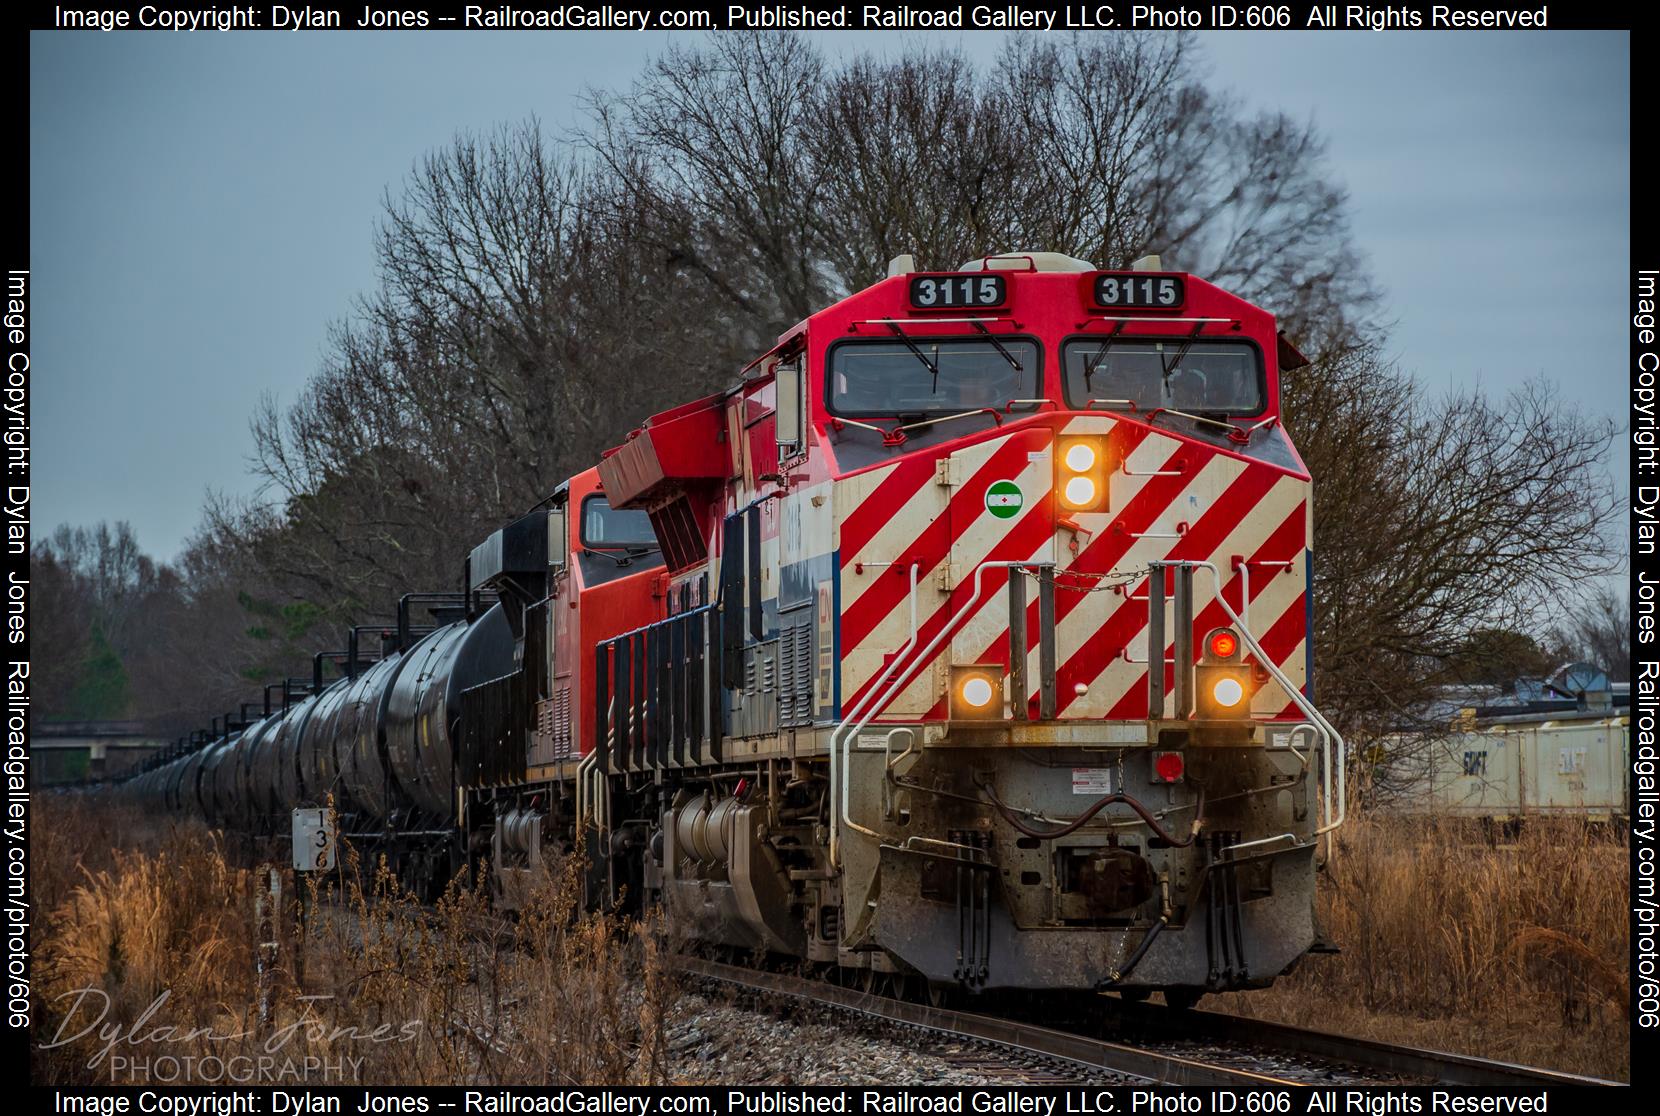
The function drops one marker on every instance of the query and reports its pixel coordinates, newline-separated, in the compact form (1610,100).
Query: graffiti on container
(1570,761)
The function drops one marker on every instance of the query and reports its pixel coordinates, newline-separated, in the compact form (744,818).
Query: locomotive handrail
(582,767)
(928,321)
(997,417)
(1232,850)
(589,797)
(887,746)
(1326,769)
(876,699)
(910,641)
(632,714)
(1234,433)
(1129,472)
(1331,740)
(1243,565)
(667,620)
(1143,318)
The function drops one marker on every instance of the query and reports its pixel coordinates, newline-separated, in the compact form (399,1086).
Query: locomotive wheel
(1182,999)
(871,981)
(943,995)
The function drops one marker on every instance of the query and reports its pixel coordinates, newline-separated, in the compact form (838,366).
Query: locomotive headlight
(1228,692)
(975,692)
(1080,457)
(1224,690)
(1080,474)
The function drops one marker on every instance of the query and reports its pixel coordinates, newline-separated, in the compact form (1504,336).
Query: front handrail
(1331,740)
(1234,432)
(835,777)
(1333,748)
(582,769)
(877,699)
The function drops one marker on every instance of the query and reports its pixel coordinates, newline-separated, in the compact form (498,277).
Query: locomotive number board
(1141,291)
(951,292)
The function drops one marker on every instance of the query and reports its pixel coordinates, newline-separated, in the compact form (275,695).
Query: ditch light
(1224,690)
(976,693)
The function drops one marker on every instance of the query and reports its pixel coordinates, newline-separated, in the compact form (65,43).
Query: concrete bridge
(80,751)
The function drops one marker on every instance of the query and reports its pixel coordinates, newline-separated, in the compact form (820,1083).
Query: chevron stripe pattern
(1172,498)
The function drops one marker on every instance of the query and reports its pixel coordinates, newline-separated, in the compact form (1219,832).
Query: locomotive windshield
(922,376)
(1207,377)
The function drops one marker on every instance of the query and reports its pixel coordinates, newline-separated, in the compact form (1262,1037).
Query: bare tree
(112,570)
(538,298)
(519,329)
(1598,631)
(1438,521)
(783,179)
(60,634)
(916,155)
(713,149)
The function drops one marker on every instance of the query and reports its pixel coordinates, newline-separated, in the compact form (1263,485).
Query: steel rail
(1433,1067)
(1081,1050)
(1411,1065)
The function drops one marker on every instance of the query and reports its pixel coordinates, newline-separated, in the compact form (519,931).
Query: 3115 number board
(953,292)
(1145,292)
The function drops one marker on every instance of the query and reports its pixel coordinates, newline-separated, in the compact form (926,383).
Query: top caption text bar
(819,17)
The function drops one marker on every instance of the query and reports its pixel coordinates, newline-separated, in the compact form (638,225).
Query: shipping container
(1571,764)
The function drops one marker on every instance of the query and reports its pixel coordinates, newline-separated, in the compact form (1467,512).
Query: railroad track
(1171,1048)
(1404,1064)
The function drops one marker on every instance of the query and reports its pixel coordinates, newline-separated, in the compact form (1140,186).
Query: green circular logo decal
(1003,499)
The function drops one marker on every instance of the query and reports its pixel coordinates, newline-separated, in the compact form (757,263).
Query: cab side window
(615,542)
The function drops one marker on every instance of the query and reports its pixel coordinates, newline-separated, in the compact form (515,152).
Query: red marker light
(1168,766)
(1223,643)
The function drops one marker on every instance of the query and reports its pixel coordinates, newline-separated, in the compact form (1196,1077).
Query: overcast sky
(202,207)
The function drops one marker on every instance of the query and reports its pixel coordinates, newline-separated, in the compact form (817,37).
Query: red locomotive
(851,662)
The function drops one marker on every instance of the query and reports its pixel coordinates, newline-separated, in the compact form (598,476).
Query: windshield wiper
(896,436)
(932,366)
(629,553)
(1181,353)
(998,345)
(1100,356)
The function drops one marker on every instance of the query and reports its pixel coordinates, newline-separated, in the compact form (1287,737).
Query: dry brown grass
(1511,948)
(156,940)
